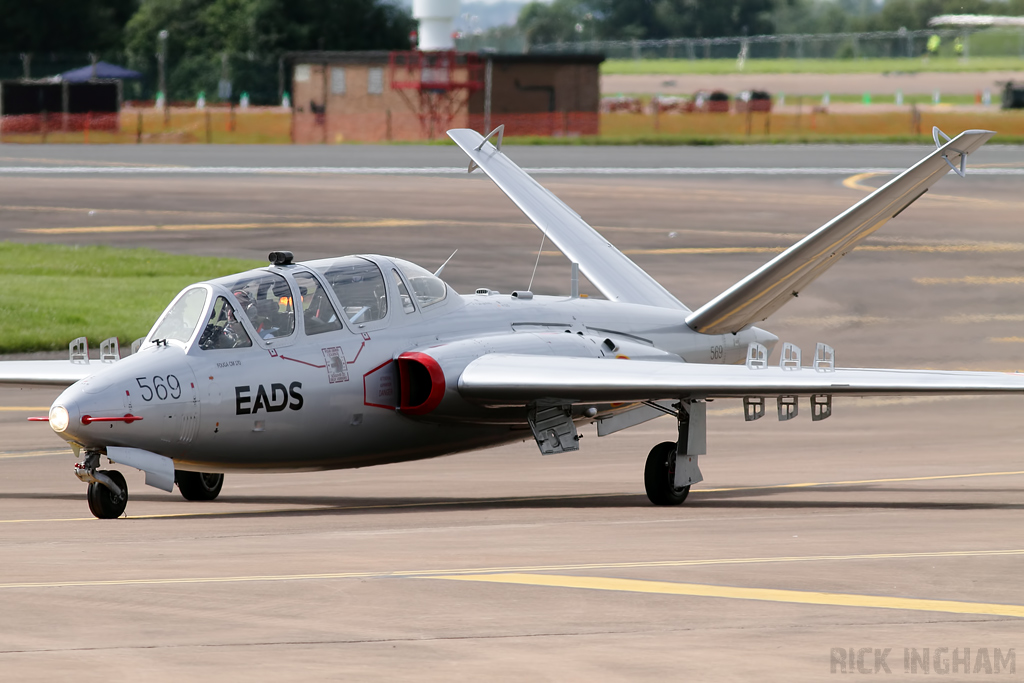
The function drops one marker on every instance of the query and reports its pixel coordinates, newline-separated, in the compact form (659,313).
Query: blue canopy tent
(101,71)
(95,88)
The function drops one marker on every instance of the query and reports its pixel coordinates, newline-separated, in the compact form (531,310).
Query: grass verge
(51,294)
(670,67)
(669,140)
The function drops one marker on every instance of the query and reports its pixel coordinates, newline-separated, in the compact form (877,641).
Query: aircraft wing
(61,373)
(510,379)
(764,291)
(611,271)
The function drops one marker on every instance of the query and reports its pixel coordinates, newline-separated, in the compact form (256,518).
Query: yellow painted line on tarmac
(385,223)
(970,280)
(744,593)
(980,318)
(24,409)
(474,571)
(833,321)
(1007,340)
(175,212)
(657,564)
(978,248)
(854,182)
(707,250)
(863,481)
(198,579)
(33,454)
(492,501)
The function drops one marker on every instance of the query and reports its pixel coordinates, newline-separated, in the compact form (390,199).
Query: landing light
(59,418)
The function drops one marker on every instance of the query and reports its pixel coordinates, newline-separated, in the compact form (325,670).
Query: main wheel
(660,476)
(199,485)
(102,501)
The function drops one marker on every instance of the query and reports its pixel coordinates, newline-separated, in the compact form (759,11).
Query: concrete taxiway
(895,524)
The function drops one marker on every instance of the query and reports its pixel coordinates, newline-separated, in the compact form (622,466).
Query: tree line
(208,40)
(202,26)
(582,20)
(211,27)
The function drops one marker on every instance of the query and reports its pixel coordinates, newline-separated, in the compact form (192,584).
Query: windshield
(182,317)
(266,299)
(427,288)
(359,286)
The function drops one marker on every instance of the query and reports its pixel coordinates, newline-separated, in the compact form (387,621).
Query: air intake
(421,382)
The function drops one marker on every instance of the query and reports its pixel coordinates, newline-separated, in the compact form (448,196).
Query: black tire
(102,502)
(659,476)
(199,485)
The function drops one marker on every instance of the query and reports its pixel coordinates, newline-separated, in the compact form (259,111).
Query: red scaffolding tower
(436,85)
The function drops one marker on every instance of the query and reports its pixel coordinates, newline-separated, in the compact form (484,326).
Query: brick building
(348,96)
(542,94)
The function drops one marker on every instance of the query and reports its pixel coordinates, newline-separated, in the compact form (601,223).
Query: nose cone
(139,401)
(91,397)
(65,416)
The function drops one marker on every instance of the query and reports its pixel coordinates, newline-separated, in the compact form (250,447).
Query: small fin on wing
(611,271)
(768,288)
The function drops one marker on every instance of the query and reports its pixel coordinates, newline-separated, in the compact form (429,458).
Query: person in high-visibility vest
(958,47)
(933,44)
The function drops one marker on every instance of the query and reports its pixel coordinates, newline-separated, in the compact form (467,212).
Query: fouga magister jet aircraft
(363,360)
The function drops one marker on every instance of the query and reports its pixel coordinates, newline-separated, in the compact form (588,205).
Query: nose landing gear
(108,491)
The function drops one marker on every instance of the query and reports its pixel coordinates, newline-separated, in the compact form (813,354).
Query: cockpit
(328,295)
(360,288)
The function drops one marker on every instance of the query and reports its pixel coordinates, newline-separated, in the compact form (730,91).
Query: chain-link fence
(219,77)
(995,42)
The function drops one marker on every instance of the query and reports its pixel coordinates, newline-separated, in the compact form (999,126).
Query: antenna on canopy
(437,273)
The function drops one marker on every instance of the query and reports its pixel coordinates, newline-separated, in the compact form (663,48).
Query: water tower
(437,23)
(434,79)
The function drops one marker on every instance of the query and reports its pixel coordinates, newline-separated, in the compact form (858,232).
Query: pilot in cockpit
(223,330)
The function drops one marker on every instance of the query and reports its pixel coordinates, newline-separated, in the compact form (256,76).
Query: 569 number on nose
(160,388)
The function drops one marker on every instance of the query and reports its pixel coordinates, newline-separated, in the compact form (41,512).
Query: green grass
(52,294)
(816,100)
(669,140)
(670,67)
(887,99)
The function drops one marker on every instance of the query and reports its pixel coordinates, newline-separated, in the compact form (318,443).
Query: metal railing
(1006,42)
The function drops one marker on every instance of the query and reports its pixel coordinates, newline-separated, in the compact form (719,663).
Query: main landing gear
(671,467)
(108,491)
(198,485)
(660,476)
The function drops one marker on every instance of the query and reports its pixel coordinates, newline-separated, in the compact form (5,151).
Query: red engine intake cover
(422,383)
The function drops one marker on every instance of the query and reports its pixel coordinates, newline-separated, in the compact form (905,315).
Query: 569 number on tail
(160,388)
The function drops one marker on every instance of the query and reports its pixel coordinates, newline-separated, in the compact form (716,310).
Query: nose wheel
(104,503)
(108,491)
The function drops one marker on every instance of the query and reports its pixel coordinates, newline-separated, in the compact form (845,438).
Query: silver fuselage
(283,404)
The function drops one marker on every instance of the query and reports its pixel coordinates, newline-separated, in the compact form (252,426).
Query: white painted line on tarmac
(448,170)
